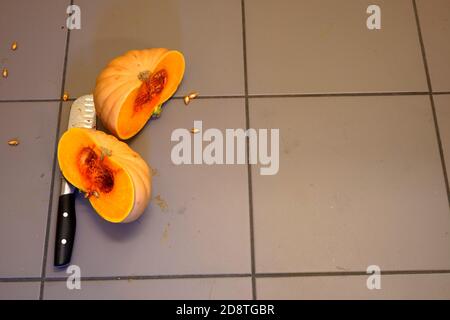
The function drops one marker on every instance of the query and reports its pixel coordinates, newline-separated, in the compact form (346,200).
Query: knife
(82,115)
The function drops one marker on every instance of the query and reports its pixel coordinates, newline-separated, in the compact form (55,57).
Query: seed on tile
(193,95)
(160,202)
(65,96)
(14,46)
(195,130)
(187,100)
(5,73)
(13,142)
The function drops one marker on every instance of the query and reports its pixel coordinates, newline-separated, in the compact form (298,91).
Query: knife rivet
(65,214)
(63,241)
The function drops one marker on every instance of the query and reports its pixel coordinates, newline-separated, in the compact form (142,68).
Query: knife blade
(82,115)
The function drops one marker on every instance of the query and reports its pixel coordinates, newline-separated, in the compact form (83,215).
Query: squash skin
(120,79)
(125,158)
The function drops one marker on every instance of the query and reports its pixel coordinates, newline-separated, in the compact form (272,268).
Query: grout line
(230,275)
(249,167)
(441,92)
(289,95)
(347,273)
(339,94)
(441,148)
(52,184)
(422,47)
(25,279)
(156,277)
(433,107)
(232,96)
(31,100)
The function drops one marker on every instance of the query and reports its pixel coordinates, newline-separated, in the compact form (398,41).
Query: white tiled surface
(36,67)
(435,24)
(191,289)
(325,46)
(199,230)
(19,290)
(360,183)
(412,286)
(361,179)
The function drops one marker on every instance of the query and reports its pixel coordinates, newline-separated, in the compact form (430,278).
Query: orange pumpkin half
(114,177)
(132,87)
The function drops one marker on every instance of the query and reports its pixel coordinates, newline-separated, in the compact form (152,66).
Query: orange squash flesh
(132,86)
(115,178)
(140,105)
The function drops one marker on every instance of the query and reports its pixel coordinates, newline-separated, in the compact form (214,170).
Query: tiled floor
(364,119)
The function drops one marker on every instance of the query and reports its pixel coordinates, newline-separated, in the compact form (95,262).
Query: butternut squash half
(115,178)
(133,86)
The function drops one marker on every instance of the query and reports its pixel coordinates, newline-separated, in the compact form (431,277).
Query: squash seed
(189,97)
(14,46)
(91,193)
(13,142)
(65,96)
(105,153)
(193,95)
(5,73)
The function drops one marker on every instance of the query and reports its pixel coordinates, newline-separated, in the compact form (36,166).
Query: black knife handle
(66,223)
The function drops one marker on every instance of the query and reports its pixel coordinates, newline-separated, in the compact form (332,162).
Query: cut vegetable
(132,86)
(115,178)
